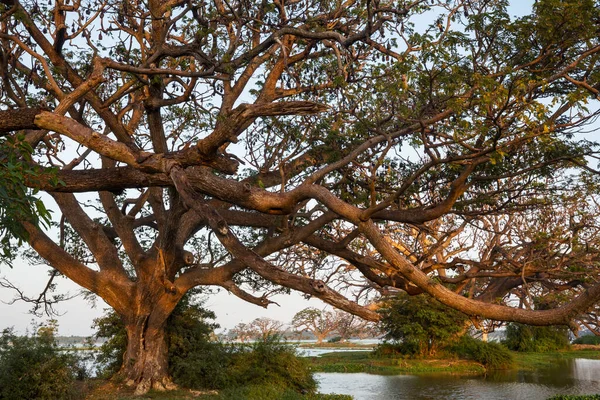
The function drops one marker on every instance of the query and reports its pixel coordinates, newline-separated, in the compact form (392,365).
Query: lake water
(579,376)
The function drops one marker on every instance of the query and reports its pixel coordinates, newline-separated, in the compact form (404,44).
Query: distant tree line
(320,323)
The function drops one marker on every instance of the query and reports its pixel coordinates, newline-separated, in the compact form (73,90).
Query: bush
(587,339)
(538,339)
(490,354)
(271,362)
(204,368)
(36,368)
(410,349)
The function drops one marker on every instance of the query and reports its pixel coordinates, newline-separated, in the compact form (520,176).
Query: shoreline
(367,362)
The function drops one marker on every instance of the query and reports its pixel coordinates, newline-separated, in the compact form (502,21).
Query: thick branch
(19,119)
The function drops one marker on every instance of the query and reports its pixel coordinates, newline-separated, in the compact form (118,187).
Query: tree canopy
(343,149)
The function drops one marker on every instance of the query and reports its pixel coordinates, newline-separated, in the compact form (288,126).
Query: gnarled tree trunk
(145,363)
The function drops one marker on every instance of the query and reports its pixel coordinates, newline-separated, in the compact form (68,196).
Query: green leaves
(421,323)
(18,202)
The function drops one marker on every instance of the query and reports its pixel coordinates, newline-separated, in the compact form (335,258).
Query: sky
(77,314)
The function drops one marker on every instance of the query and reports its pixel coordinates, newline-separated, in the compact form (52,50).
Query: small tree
(243,332)
(318,322)
(264,328)
(348,325)
(423,325)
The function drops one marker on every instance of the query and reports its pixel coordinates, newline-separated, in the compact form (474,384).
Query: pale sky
(77,315)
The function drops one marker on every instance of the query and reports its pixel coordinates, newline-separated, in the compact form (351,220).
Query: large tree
(337,148)
(320,323)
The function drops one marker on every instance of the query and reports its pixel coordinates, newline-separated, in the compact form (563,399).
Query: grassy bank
(361,361)
(532,361)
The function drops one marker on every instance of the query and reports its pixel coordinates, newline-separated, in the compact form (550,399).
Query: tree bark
(320,338)
(145,363)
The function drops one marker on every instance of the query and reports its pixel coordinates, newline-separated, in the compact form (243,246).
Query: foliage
(587,339)
(491,355)
(575,397)
(34,367)
(270,361)
(18,201)
(420,325)
(111,352)
(520,337)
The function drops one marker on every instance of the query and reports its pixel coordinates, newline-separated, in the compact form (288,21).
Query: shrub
(387,350)
(271,362)
(587,339)
(204,368)
(36,368)
(410,349)
(491,355)
(539,339)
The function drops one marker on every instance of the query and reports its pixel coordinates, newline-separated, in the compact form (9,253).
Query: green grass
(104,390)
(532,361)
(360,361)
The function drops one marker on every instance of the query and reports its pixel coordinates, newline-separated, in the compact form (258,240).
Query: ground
(103,390)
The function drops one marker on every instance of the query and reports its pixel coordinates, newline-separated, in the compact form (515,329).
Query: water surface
(578,376)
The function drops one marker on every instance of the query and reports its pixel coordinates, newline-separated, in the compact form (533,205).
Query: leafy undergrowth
(103,390)
(366,362)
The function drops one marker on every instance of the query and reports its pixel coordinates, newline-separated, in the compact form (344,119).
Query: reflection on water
(586,369)
(318,351)
(577,376)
